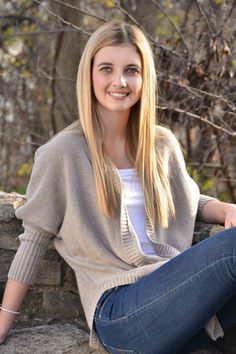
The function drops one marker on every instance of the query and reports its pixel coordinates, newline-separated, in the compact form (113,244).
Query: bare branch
(86,13)
(208,165)
(199,4)
(18,142)
(231,11)
(171,22)
(62,20)
(219,33)
(126,13)
(202,119)
(137,23)
(19,18)
(195,90)
(49,77)
(36,33)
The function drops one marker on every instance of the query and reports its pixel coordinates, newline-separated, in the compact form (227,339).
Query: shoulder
(66,143)
(168,146)
(165,138)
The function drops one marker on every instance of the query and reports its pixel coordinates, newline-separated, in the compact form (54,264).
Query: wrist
(221,211)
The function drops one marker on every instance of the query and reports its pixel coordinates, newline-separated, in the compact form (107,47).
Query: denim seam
(119,349)
(145,307)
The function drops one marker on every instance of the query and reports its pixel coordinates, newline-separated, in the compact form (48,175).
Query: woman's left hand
(230,215)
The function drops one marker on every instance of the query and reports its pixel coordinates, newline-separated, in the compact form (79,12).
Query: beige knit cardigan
(103,252)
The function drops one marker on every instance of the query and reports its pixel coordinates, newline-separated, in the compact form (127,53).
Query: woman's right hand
(3,330)
(2,338)
(6,321)
(13,296)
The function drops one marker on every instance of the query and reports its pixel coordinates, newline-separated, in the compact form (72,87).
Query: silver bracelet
(9,311)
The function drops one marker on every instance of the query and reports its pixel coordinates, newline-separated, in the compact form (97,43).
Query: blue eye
(132,70)
(106,69)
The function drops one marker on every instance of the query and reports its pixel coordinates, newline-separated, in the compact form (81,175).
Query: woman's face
(117,77)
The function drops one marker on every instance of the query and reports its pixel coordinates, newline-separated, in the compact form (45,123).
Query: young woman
(113,193)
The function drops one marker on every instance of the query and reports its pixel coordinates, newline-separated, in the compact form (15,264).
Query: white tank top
(134,202)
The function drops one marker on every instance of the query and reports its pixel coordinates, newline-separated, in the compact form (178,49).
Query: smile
(118,94)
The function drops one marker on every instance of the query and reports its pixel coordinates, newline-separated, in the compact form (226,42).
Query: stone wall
(55,294)
(52,306)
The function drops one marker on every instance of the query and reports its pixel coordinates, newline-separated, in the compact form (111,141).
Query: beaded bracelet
(9,311)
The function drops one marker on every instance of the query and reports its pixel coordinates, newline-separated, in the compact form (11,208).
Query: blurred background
(194,44)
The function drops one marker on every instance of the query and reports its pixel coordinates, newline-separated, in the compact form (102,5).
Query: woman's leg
(161,312)
(226,316)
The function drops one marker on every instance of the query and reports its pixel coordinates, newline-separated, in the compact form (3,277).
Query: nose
(120,81)
(123,82)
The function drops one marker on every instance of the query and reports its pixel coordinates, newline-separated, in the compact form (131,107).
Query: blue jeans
(165,312)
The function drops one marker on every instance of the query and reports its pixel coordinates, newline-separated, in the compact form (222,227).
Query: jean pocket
(103,301)
(118,350)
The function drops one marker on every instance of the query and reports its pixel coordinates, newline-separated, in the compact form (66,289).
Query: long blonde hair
(141,134)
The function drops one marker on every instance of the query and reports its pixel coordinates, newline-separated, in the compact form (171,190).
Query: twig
(205,164)
(19,142)
(152,40)
(20,18)
(62,20)
(79,10)
(204,16)
(204,120)
(225,20)
(171,22)
(51,78)
(195,90)
(21,34)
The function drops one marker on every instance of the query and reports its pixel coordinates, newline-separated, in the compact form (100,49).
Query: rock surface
(48,339)
(44,326)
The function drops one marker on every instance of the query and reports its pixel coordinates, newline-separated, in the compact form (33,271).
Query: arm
(42,216)
(219,212)
(210,209)
(13,297)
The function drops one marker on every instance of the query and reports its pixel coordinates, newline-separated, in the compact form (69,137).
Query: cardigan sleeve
(203,200)
(42,214)
(179,164)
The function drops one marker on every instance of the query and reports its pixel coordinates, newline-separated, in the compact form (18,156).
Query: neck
(115,135)
(115,125)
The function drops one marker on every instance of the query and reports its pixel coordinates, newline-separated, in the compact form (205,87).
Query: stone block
(13,198)
(62,304)
(31,309)
(68,278)
(7,242)
(201,231)
(7,212)
(49,273)
(216,229)
(5,262)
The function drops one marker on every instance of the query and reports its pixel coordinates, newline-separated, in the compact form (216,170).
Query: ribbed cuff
(203,200)
(25,265)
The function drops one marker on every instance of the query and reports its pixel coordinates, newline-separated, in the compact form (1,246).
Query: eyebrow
(110,64)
